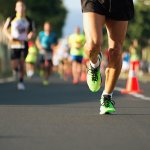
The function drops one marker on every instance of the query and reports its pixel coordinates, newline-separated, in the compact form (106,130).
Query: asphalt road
(66,117)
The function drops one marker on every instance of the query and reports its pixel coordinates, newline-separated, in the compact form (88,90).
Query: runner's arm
(38,44)
(31,30)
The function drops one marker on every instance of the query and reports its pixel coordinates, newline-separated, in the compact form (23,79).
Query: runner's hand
(10,38)
(43,50)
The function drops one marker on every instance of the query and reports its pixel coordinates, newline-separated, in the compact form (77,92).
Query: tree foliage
(139,27)
(40,11)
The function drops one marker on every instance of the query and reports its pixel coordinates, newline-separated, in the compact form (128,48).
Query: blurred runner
(46,41)
(31,59)
(61,58)
(134,56)
(19,29)
(145,63)
(85,63)
(76,43)
(125,61)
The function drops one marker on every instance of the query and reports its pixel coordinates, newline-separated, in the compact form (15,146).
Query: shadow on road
(55,93)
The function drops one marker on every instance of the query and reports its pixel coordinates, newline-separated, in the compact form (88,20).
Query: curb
(7,80)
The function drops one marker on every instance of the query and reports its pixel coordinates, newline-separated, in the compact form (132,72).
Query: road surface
(66,117)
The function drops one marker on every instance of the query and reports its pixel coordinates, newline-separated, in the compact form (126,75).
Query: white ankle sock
(95,65)
(105,93)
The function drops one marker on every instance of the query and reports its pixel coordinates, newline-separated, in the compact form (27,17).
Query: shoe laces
(93,72)
(107,101)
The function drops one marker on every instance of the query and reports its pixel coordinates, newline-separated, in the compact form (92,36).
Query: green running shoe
(45,82)
(107,105)
(94,79)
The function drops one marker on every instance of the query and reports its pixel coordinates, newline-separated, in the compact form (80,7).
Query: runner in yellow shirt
(76,43)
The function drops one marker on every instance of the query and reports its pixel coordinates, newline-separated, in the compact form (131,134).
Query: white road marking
(141,96)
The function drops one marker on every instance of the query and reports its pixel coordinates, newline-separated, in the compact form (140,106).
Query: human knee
(15,66)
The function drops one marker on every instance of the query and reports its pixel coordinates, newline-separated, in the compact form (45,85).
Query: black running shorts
(19,53)
(121,10)
(42,59)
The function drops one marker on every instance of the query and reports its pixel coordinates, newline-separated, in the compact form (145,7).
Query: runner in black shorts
(17,53)
(114,14)
(21,30)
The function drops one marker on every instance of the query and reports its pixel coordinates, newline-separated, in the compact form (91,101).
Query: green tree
(140,25)
(40,11)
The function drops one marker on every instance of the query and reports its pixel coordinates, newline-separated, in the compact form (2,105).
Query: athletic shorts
(121,10)
(77,58)
(43,60)
(19,53)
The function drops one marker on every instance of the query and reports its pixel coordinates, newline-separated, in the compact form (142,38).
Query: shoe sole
(106,113)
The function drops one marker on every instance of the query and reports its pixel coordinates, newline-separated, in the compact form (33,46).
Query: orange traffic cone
(132,85)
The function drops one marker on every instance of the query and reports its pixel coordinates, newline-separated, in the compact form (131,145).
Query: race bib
(17,44)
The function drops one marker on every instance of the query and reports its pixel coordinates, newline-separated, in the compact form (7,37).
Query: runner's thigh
(93,24)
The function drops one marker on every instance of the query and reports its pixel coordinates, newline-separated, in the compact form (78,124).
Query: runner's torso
(76,44)
(19,29)
(47,40)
